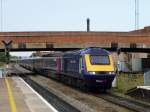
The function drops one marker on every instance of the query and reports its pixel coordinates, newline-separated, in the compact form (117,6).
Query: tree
(2,57)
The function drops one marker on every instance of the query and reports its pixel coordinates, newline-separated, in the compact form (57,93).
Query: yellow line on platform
(11,97)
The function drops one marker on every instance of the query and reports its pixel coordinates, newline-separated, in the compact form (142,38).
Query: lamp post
(118,67)
(118,62)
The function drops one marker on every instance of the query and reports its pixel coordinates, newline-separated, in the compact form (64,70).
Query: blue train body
(90,67)
(74,63)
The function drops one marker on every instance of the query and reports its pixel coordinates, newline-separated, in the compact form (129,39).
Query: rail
(126,102)
(55,101)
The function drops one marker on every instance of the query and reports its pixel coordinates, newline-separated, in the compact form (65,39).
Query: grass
(128,81)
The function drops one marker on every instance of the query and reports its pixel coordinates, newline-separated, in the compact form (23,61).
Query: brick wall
(88,38)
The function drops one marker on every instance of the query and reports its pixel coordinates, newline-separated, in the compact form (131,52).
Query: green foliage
(128,81)
(2,57)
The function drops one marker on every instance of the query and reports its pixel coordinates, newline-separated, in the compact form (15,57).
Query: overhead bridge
(136,41)
(132,50)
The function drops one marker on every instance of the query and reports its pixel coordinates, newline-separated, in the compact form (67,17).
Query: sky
(71,15)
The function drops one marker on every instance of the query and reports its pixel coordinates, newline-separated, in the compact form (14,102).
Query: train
(86,68)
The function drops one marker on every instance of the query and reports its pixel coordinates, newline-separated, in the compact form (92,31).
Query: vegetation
(2,59)
(1,64)
(128,81)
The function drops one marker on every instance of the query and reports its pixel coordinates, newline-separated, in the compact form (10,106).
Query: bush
(2,57)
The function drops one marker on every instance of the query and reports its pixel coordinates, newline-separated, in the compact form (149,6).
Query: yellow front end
(98,67)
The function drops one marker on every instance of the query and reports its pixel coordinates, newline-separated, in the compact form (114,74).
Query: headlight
(93,73)
(110,73)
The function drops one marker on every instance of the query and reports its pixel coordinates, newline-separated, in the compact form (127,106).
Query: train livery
(86,68)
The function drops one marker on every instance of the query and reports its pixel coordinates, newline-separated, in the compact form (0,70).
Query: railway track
(53,99)
(40,85)
(126,102)
(120,101)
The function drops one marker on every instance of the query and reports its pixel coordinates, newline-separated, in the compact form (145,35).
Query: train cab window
(99,59)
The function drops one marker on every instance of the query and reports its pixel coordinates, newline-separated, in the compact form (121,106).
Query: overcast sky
(60,15)
(70,15)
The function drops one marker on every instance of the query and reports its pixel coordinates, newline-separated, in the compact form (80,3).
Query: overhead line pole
(1,15)
(136,14)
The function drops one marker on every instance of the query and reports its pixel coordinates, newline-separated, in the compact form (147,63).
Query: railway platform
(17,96)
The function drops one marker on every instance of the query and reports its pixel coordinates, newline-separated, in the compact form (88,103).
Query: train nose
(101,81)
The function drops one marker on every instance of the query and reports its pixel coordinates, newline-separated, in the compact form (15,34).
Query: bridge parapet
(139,39)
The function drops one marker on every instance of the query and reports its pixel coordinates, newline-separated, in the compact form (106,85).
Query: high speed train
(85,68)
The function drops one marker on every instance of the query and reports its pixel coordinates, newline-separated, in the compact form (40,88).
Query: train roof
(91,50)
(94,51)
(33,58)
(55,54)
